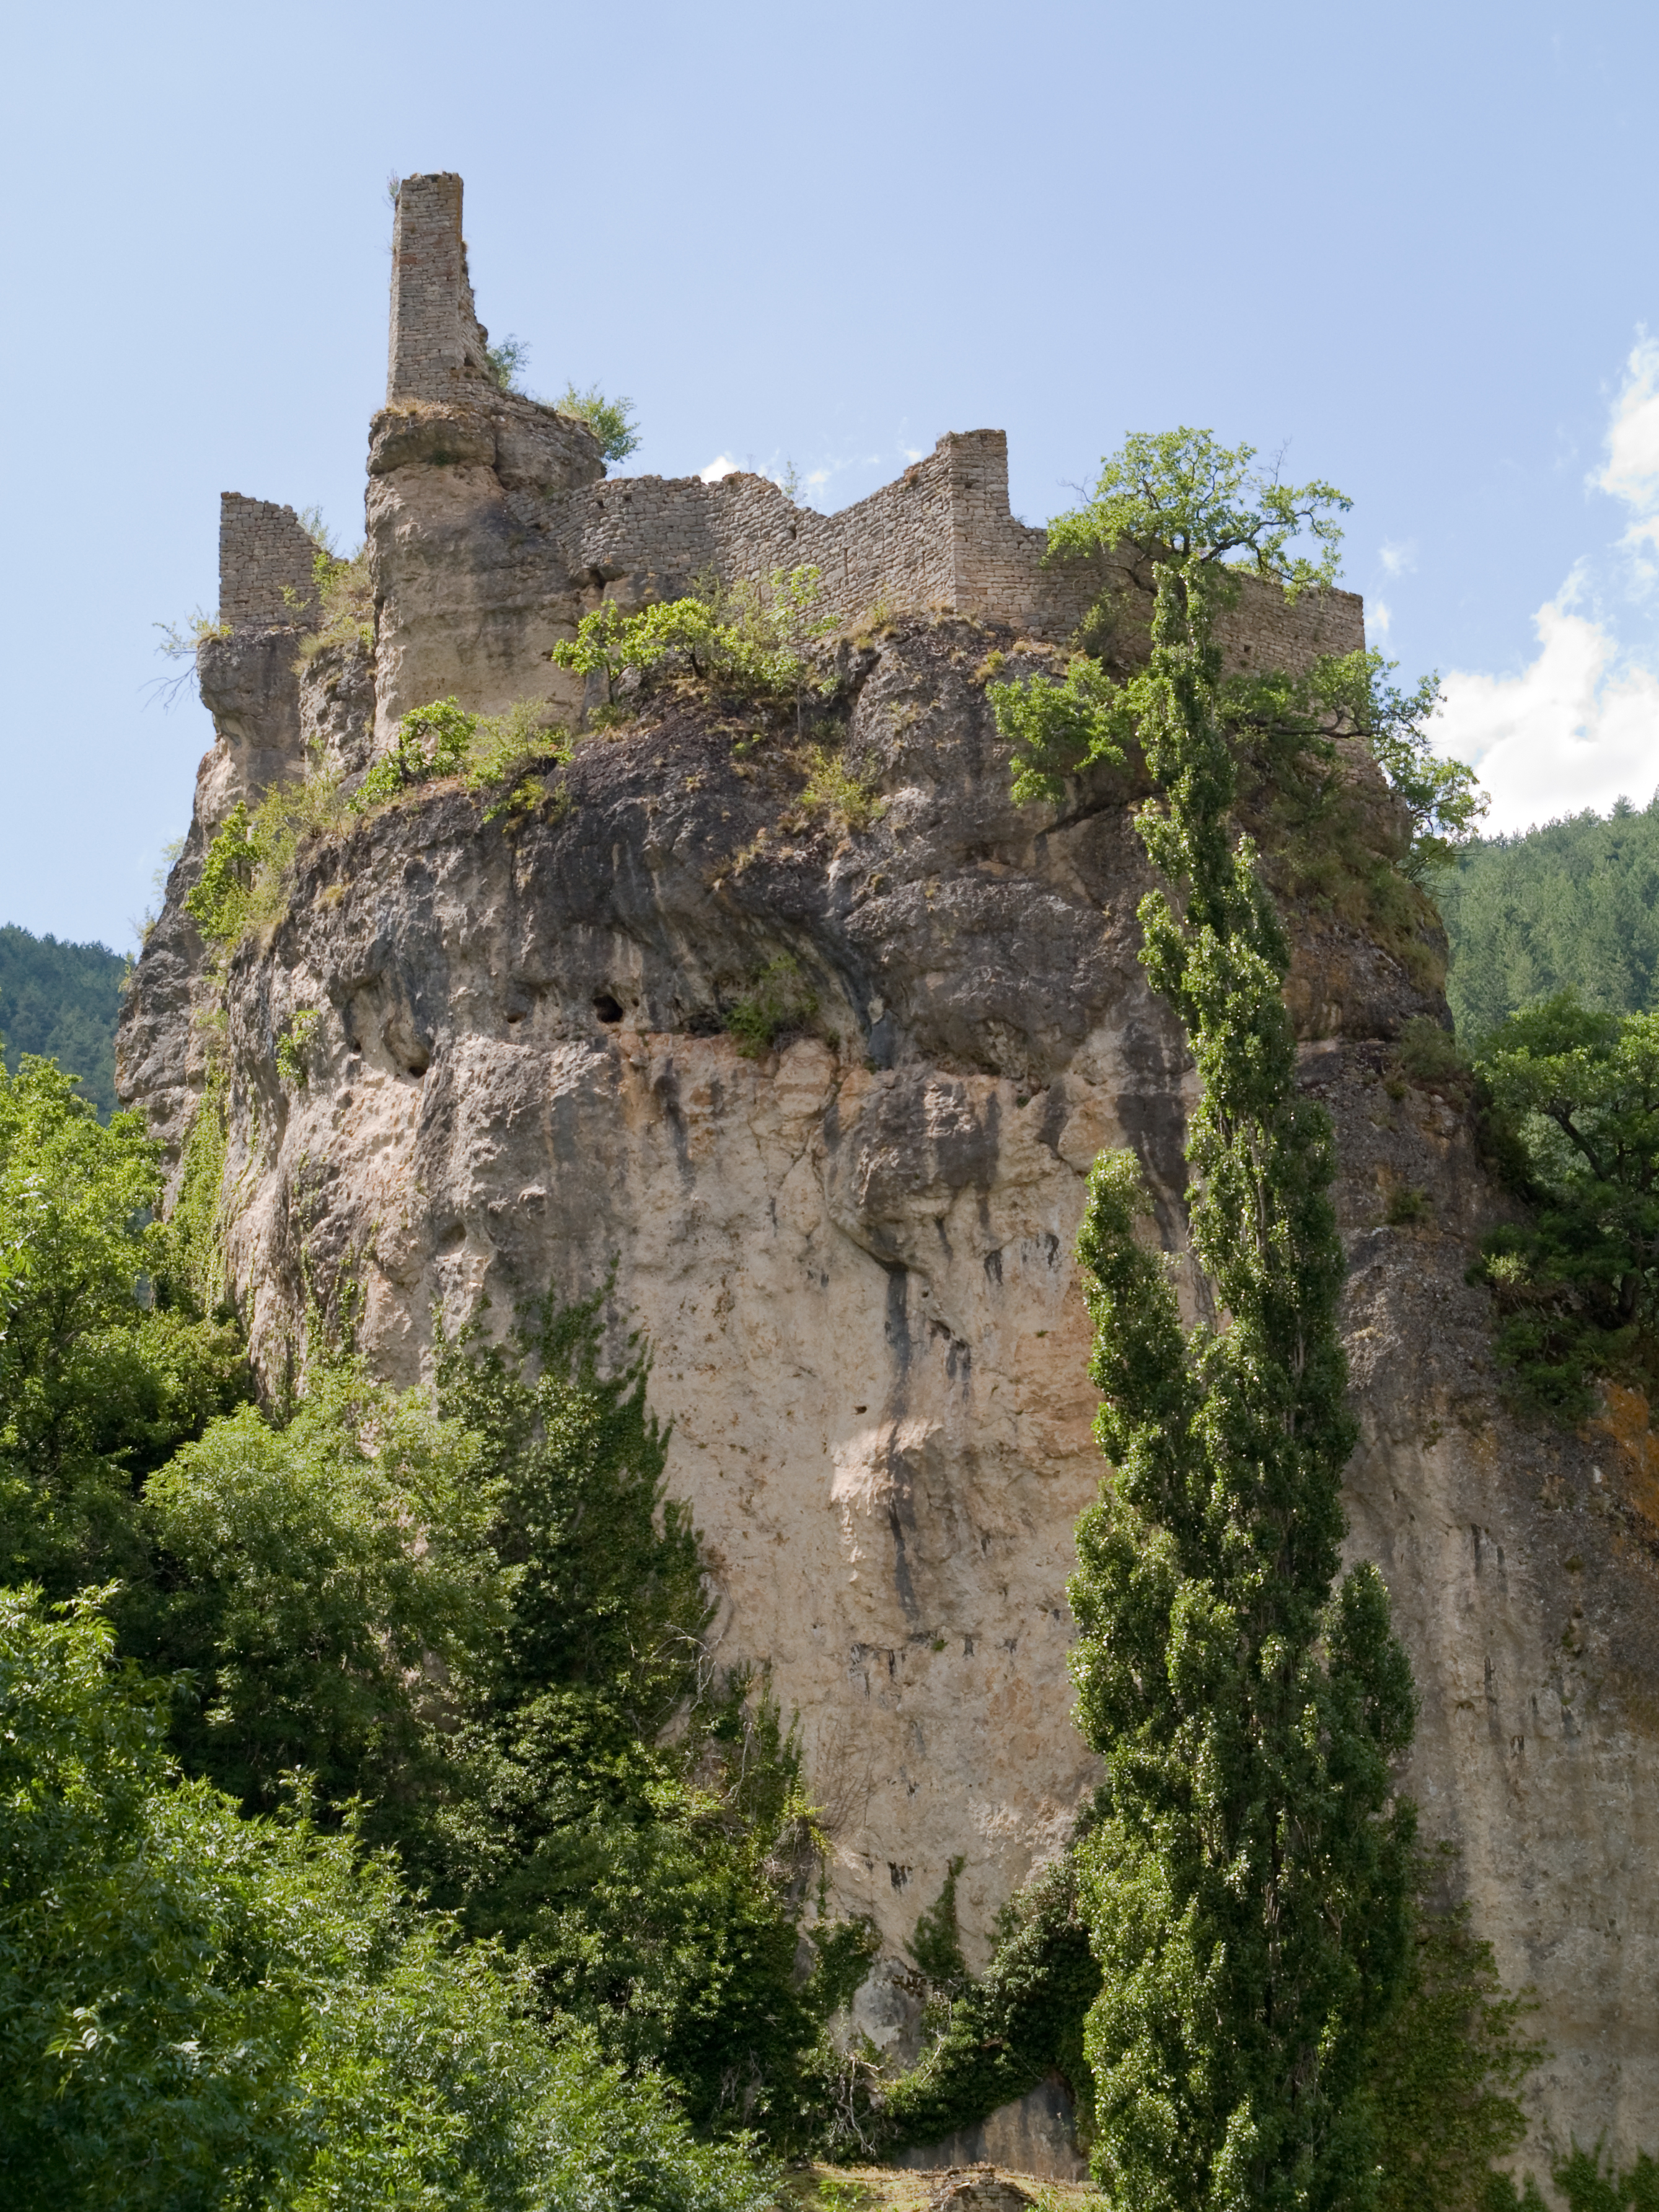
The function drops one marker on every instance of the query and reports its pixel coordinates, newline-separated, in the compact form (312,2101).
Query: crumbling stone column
(437,347)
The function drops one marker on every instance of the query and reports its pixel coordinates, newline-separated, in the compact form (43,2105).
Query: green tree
(1248,1885)
(612,421)
(610,1594)
(1002,2033)
(749,641)
(656,1887)
(1576,1286)
(1571,906)
(1448,2064)
(202,2011)
(60,1002)
(102,1371)
(1179,496)
(329,1586)
(1592,2181)
(1172,498)
(508,360)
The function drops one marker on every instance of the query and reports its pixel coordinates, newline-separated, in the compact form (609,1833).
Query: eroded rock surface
(853,1259)
(853,1255)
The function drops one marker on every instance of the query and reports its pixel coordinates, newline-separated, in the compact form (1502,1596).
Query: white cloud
(1379,617)
(721,465)
(1572,731)
(1579,727)
(1398,557)
(1632,471)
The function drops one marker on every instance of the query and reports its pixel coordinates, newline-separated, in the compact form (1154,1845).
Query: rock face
(853,1255)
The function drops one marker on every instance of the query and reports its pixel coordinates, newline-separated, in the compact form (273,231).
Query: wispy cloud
(1379,617)
(833,479)
(1397,557)
(1578,726)
(1631,472)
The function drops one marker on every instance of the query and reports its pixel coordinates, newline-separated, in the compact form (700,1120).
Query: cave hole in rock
(607,1007)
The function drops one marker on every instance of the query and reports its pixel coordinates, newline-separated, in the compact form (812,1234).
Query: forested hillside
(1574,905)
(61,1001)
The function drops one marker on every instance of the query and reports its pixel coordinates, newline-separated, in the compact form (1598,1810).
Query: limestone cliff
(854,1256)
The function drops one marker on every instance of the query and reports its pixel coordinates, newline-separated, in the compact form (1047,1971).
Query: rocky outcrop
(853,1255)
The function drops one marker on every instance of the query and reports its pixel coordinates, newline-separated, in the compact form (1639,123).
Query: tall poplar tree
(1248,1888)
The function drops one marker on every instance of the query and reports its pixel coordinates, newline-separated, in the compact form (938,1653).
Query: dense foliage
(749,641)
(1591,2182)
(468,1627)
(107,1362)
(999,2035)
(1573,906)
(199,2010)
(60,1002)
(656,1888)
(1179,494)
(286,1583)
(1447,2065)
(1576,1284)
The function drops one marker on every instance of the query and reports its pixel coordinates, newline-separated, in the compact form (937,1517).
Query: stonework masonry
(451,456)
(437,347)
(266,559)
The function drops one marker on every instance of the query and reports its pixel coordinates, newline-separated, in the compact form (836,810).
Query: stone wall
(266,565)
(940,539)
(436,348)
(493,527)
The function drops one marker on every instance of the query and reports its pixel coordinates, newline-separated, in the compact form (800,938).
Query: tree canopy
(1570,906)
(1178,501)
(1181,494)
(60,1001)
(198,2011)
(1576,1284)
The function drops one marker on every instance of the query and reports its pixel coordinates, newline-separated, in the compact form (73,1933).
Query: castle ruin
(855,1256)
(469,457)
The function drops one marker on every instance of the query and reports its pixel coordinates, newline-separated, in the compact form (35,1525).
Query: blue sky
(1414,245)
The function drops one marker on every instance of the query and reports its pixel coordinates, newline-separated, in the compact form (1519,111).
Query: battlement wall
(941,535)
(266,564)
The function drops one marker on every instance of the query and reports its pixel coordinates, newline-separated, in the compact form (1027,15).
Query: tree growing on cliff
(612,421)
(1180,497)
(1247,1886)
